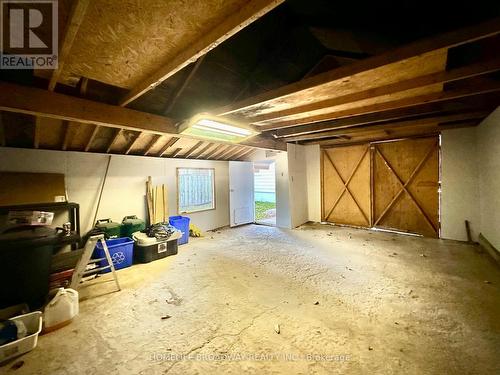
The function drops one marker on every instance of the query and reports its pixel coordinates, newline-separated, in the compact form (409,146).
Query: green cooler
(110,228)
(131,224)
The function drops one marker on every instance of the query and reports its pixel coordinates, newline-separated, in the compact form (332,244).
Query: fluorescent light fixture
(216,129)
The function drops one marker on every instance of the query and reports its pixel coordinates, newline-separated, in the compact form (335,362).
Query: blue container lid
(114,242)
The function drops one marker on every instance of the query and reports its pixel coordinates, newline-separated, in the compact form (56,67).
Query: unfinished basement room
(249,187)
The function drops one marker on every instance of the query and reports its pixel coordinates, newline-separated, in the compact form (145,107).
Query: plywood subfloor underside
(123,42)
(419,315)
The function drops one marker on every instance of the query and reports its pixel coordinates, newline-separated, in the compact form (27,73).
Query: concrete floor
(346,301)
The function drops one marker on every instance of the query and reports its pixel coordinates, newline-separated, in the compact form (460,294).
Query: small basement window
(195,189)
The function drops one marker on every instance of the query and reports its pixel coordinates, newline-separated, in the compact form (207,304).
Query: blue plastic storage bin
(181,223)
(121,251)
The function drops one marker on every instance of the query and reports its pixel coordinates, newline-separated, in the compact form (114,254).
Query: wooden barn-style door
(391,185)
(346,185)
(405,185)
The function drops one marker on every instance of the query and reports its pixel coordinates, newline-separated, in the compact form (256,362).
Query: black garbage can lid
(33,236)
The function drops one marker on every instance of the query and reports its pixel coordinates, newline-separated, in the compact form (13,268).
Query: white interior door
(241,193)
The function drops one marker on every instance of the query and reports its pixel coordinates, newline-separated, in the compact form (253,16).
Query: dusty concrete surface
(359,302)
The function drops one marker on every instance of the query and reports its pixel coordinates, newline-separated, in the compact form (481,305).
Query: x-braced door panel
(346,185)
(405,185)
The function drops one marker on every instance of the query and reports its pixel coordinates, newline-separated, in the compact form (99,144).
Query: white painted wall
(459,184)
(471,180)
(283,219)
(124,192)
(297,174)
(488,141)
(313,170)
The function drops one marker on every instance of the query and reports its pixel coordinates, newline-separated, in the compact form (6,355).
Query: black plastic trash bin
(25,260)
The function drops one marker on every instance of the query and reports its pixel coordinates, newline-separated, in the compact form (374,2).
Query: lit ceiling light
(216,129)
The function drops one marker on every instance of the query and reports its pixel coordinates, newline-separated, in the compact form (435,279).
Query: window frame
(179,212)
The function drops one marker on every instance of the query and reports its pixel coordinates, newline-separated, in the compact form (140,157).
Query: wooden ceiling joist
(36,133)
(183,86)
(133,143)
(391,88)
(248,13)
(228,151)
(152,144)
(193,149)
(113,140)
(2,132)
(246,154)
(167,145)
(218,151)
(91,138)
(232,155)
(305,88)
(240,153)
(37,102)
(202,151)
(395,104)
(432,120)
(467,104)
(75,19)
(68,127)
(175,152)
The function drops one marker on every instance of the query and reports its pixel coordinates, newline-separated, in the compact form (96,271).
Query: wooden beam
(193,149)
(169,144)
(215,153)
(211,153)
(394,104)
(3,143)
(75,18)
(391,115)
(183,85)
(36,133)
(246,14)
(392,88)
(37,102)
(228,151)
(175,153)
(247,154)
(390,125)
(113,140)
(68,127)
(234,152)
(444,41)
(203,150)
(92,136)
(83,86)
(240,153)
(427,109)
(152,144)
(132,144)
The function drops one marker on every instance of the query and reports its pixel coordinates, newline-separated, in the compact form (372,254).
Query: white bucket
(60,310)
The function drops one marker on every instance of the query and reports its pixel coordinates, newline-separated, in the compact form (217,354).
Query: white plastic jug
(61,309)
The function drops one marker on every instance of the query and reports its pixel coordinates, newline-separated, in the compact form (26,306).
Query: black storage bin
(25,260)
(148,253)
